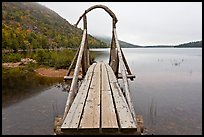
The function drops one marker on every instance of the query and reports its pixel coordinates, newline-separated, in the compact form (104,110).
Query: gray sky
(139,23)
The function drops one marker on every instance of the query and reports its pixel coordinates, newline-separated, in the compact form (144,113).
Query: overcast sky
(139,23)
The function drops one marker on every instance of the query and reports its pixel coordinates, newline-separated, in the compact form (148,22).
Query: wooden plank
(72,118)
(124,116)
(109,119)
(91,114)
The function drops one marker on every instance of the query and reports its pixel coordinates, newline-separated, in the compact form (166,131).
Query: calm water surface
(167,92)
(30,103)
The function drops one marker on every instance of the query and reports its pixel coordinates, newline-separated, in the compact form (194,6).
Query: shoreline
(51,72)
(42,71)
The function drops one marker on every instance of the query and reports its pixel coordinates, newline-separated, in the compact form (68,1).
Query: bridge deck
(99,106)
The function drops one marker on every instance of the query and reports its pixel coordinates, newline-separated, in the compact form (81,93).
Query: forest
(28,25)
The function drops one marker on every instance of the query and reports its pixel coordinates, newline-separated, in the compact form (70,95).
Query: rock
(27,60)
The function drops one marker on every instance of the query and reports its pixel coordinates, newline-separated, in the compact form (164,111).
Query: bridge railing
(117,60)
(82,62)
(123,69)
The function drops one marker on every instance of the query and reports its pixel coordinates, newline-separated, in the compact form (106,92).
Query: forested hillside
(194,44)
(28,25)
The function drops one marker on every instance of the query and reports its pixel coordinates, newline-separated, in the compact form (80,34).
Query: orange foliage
(28,30)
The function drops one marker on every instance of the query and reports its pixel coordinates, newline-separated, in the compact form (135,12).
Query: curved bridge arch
(115,20)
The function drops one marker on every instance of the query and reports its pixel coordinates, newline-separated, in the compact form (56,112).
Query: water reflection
(152,112)
(18,86)
(34,115)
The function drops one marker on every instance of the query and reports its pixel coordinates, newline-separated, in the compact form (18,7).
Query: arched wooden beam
(99,6)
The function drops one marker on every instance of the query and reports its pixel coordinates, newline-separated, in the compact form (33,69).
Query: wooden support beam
(128,76)
(73,61)
(113,60)
(85,22)
(126,65)
(83,62)
(85,58)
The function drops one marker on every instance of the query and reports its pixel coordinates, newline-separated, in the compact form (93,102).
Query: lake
(167,92)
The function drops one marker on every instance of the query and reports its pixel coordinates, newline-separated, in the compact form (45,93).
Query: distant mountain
(159,46)
(128,45)
(29,25)
(123,44)
(196,44)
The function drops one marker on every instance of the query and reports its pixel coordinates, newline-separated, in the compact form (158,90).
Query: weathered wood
(109,119)
(124,77)
(73,88)
(126,64)
(73,116)
(140,123)
(113,60)
(88,61)
(73,61)
(99,6)
(91,114)
(85,22)
(128,76)
(126,121)
(57,125)
(99,106)
(84,62)
(71,77)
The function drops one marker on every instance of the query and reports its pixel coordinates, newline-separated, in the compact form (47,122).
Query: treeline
(194,44)
(58,59)
(27,25)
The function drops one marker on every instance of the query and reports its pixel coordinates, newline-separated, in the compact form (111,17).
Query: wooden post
(88,54)
(113,60)
(85,59)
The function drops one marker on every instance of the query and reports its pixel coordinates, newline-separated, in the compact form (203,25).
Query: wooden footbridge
(99,105)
